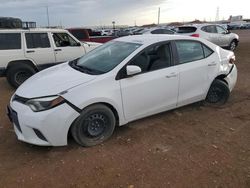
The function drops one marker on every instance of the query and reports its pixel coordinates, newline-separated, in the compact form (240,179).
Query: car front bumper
(231,78)
(46,128)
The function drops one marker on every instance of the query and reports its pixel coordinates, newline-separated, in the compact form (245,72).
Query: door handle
(57,50)
(30,51)
(212,64)
(172,75)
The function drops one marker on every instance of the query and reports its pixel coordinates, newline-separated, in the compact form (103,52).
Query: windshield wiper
(84,69)
(89,70)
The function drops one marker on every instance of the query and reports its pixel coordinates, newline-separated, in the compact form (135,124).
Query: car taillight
(195,35)
(232,60)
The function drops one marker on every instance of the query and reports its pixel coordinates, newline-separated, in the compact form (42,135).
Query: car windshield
(104,58)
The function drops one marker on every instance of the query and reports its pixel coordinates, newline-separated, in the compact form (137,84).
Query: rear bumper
(232,77)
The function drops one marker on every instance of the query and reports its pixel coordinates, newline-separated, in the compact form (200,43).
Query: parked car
(23,52)
(121,81)
(213,33)
(137,31)
(122,33)
(107,32)
(84,35)
(157,31)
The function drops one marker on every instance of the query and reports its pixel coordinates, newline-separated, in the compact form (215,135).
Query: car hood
(90,45)
(53,81)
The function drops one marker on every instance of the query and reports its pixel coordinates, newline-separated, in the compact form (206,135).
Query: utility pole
(217,17)
(159,14)
(113,25)
(47,7)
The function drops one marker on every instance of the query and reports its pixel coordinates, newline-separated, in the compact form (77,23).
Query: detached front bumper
(46,128)
(231,78)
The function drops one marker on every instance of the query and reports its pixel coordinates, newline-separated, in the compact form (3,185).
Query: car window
(10,41)
(189,51)
(220,30)
(64,40)
(37,40)
(154,58)
(186,29)
(209,29)
(157,31)
(166,31)
(207,51)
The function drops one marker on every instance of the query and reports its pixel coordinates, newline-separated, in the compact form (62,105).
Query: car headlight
(41,104)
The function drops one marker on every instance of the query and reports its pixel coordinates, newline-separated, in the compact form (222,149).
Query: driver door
(155,89)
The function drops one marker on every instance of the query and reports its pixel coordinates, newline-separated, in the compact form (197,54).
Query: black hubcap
(215,95)
(95,124)
(21,76)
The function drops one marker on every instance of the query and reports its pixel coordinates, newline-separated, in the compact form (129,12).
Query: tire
(17,74)
(233,45)
(95,125)
(218,93)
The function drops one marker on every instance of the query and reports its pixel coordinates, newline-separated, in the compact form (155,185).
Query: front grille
(20,99)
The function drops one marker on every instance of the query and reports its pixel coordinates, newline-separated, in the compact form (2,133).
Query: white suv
(213,33)
(23,52)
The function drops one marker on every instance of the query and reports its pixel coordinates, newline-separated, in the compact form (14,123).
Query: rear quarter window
(186,29)
(207,51)
(10,41)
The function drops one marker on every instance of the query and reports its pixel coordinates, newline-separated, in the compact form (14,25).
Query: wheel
(95,125)
(233,45)
(218,93)
(17,74)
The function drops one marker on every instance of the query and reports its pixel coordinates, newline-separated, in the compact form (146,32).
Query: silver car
(213,33)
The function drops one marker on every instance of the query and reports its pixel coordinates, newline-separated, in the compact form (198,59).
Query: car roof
(151,39)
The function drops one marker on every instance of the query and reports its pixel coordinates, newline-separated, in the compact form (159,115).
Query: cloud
(80,12)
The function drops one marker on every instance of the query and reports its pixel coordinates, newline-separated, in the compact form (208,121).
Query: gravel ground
(193,146)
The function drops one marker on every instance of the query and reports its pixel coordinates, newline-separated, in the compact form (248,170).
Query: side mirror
(133,70)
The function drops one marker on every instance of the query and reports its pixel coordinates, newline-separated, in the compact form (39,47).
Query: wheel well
(113,110)
(235,41)
(103,103)
(221,77)
(27,62)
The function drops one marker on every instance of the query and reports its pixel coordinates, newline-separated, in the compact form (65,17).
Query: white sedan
(121,81)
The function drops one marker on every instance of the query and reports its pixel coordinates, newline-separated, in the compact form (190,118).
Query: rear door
(210,34)
(38,48)
(193,71)
(66,47)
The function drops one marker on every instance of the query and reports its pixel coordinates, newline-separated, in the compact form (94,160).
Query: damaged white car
(121,81)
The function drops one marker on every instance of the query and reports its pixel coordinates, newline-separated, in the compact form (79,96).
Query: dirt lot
(194,146)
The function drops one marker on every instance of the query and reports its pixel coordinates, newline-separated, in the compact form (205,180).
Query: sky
(76,13)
